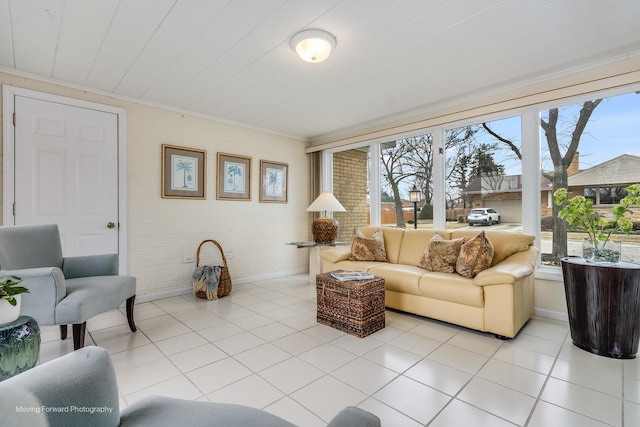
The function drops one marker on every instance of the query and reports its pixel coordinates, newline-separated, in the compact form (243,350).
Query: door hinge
(440,150)
(14,208)
(14,119)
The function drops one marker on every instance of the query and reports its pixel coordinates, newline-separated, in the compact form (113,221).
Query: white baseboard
(557,315)
(269,276)
(161,295)
(236,281)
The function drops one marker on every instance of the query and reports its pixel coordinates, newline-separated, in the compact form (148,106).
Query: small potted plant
(10,292)
(578,213)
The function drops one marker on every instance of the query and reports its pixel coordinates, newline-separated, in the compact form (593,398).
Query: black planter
(603,304)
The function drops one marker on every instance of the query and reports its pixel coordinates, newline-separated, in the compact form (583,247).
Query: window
(404,163)
(599,139)
(483,170)
(605,195)
(493,165)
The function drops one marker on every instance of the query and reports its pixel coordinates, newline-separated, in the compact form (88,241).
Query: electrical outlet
(228,255)
(188,259)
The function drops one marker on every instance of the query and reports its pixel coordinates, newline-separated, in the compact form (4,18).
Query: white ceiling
(231,60)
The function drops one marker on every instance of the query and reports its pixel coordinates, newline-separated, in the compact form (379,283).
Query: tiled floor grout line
(455,396)
(184,374)
(285,394)
(402,341)
(546,380)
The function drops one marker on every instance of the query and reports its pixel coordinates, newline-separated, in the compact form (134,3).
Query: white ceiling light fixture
(313,45)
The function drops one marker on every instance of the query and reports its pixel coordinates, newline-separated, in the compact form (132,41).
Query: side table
(603,304)
(355,307)
(19,346)
(315,263)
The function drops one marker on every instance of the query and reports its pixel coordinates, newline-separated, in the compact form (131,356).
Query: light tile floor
(261,346)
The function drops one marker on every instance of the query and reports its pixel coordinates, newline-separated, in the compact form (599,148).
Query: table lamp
(325,229)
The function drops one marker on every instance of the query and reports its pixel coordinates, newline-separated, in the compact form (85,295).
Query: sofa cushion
(475,255)
(393,242)
(414,242)
(452,288)
(505,243)
(399,277)
(441,255)
(368,249)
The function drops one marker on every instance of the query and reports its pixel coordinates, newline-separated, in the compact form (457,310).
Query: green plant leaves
(578,213)
(9,287)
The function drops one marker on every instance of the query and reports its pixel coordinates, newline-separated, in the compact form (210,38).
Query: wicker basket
(224,284)
(355,307)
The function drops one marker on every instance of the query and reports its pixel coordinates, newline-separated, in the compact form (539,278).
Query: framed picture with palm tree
(273,182)
(234,177)
(183,173)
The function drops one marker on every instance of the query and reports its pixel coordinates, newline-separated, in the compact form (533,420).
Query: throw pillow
(441,254)
(475,256)
(368,249)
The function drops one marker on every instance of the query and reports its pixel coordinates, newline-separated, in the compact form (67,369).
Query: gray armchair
(80,389)
(63,290)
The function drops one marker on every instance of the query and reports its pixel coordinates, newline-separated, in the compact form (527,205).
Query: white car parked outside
(486,216)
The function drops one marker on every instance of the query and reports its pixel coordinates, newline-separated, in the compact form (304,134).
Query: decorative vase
(604,252)
(19,346)
(8,312)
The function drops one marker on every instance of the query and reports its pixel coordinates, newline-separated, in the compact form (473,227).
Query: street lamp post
(414,196)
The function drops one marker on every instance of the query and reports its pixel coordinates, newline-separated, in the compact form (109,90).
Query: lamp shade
(325,230)
(313,45)
(326,202)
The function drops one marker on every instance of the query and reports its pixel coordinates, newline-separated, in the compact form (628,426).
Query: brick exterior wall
(350,188)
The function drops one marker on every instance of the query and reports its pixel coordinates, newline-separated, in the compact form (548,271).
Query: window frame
(531,140)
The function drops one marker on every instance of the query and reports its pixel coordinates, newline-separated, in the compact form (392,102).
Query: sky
(613,130)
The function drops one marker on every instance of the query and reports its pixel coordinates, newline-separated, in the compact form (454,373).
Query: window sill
(549,273)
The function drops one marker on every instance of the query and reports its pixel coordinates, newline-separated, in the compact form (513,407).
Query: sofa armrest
(510,270)
(339,253)
(90,265)
(47,288)
(154,411)
(354,417)
(21,408)
(80,385)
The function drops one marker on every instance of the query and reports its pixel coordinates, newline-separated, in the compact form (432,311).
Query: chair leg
(79,330)
(130,303)
(63,332)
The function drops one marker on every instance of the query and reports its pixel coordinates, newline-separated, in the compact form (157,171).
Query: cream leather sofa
(498,300)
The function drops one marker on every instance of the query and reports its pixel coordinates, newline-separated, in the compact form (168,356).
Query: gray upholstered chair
(63,290)
(80,389)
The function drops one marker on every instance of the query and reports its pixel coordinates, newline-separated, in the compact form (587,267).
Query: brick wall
(350,188)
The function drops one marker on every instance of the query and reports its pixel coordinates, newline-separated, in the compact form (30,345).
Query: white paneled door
(66,172)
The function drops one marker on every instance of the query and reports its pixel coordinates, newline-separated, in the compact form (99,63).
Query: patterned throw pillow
(441,254)
(475,256)
(368,249)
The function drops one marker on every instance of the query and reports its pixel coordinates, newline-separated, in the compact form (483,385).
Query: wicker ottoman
(355,307)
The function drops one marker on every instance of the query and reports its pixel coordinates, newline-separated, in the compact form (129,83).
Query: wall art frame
(234,177)
(184,173)
(274,180)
